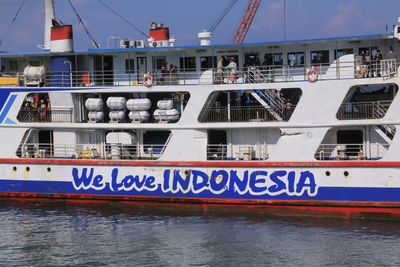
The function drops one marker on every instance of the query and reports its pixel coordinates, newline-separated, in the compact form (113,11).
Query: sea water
(62,234)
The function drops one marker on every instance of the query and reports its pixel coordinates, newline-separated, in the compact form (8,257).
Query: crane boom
(246,21)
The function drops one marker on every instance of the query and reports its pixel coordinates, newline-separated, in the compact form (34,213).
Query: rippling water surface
(104,235)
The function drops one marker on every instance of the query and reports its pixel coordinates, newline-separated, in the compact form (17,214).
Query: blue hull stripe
(324,193)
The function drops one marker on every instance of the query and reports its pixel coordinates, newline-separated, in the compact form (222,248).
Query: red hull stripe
(202,163)
(381,210)
(61,33)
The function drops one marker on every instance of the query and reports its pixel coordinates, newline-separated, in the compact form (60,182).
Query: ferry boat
(306,127)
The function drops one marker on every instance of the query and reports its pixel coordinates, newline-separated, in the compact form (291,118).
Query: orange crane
(246,21)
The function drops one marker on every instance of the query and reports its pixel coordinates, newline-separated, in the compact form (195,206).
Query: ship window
(251,59)
(275,59)
(129,66)
(35,63)
(342,52)
(372,51)
(187,63)
(13,65)
(296,59)
(320,57)
(159,62)
(208,62)
(227,59)
(155,137)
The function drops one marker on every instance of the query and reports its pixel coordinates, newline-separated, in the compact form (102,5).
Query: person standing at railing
(220,71)
(377,63)
(42,110)
(391,55)
(366,60)
(232,67)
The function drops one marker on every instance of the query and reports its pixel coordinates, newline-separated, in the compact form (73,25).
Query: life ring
(312,74)
(148,80)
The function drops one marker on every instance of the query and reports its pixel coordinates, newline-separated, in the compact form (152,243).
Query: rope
(13,20)
(96,45)
(212,27)
(118,15)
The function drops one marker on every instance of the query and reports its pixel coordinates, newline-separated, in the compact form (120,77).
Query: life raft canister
(312,74)
(148,80)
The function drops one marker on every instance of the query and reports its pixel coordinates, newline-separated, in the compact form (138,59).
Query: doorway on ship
(351,143)
(141,68)
(216,145)
(45,139)
(103,70)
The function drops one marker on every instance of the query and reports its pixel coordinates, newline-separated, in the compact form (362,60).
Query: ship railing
(243,114)
(250,74)
(363,110)
(366,151)
(92,151)
(237,152)
(32,114)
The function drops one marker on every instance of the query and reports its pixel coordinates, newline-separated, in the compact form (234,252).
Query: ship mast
(48,17)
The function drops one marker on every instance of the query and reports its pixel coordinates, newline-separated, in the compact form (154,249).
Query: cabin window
(343,52)
(372,51)
(159,62)
(187,63)
(34,63)
(320,57)
(227,59)
(129,66)
(251,59)
(14,65)
(296,59)
(208,62)
(275,59)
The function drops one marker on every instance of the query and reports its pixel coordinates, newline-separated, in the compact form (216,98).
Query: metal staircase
(271,100)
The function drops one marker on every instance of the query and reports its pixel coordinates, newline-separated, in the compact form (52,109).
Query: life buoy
(312,74)
(148,80)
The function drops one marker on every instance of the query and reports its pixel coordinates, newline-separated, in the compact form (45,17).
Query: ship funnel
(61,38)
(48,18)
(205,37)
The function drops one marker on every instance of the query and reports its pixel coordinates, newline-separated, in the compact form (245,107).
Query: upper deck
(287,61)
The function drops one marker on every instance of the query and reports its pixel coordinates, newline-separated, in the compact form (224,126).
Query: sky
(305,19)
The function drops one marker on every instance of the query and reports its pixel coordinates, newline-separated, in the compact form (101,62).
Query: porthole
(28,169)
(327,173)
(15,168)
(346,173)
(48,169)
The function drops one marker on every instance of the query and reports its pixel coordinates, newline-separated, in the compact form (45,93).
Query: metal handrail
(91,151)
(243,114)
(363,110)
(237,151)
(250,74)
(367,151)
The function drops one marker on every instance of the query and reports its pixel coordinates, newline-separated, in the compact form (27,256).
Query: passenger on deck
(377,63)
(366,60)
(220,71)
(232,67)
(390,54)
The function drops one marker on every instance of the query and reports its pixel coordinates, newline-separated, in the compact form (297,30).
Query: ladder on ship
(271,100)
